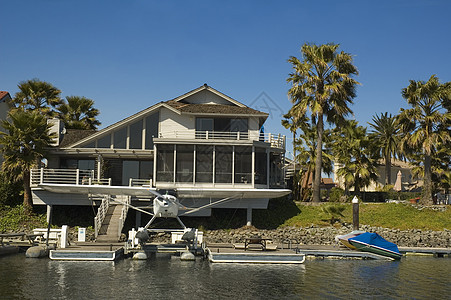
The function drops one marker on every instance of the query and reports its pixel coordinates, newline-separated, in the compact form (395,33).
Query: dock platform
(226,253)
(89,251)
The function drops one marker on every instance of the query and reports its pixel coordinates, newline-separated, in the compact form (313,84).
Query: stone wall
(326,235)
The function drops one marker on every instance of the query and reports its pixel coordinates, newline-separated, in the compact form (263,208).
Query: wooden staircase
(109,231)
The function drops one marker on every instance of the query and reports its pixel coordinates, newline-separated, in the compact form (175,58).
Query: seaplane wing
(227,192)
(189,192)
(99,189)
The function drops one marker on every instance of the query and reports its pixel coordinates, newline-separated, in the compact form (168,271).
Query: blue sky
(128,55)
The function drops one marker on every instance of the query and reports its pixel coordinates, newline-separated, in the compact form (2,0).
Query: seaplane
(166,205)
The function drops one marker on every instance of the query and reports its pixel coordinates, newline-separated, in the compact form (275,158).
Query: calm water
(166,277)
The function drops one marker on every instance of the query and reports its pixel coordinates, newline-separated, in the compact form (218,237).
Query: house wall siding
(171,122)
(206,97)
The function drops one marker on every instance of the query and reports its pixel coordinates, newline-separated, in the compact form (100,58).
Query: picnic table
(255,241)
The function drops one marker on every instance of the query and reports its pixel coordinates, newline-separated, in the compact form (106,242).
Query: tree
(37,95)
(385,135)
(23,143)
(354,153)
(322,83)
(306,146)
(292,121)
(423,124)
(78,113)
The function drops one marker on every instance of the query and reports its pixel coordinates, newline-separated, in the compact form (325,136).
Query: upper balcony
(276,141)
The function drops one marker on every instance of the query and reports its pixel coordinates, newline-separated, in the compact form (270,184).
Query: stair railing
(124,213)
(101,213)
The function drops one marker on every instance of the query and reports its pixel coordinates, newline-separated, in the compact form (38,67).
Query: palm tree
(37,95)
(322,83)
(79,113)
(23,143)
(385,135)
(353,151)
(306,146)
(422,124)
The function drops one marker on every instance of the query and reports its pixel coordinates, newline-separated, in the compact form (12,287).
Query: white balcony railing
(277,141)
(65,176)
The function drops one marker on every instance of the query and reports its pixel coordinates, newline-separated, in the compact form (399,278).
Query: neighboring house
(203,144)
(408,181)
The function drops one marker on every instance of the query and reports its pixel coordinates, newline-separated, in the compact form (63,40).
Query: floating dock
(89,252)
(260,257)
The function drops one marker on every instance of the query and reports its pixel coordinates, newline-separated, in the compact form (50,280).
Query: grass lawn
(389,215)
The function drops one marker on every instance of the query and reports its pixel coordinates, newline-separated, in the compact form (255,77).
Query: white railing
(140,182)
(65,176)
(124,213)
(101,214)
(275,140)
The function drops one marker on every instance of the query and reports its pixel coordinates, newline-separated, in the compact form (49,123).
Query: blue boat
(372,242)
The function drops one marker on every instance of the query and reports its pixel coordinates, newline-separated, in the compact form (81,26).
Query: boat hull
(374,249)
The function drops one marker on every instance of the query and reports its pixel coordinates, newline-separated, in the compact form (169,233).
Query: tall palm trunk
(27,198)
(426,198)
(387,168)
(319,160)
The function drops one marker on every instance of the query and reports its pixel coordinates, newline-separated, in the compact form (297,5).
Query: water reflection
(163,276)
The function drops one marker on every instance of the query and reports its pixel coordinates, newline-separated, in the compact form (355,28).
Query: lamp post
(355,213)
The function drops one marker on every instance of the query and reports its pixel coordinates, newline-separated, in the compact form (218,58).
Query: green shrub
(13,219)
(333,212)
(335,194)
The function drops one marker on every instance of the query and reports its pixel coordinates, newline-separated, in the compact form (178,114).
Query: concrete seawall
(326,235)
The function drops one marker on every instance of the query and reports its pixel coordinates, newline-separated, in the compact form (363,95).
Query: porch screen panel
(136,133)
(260,165)
(165,163)
(243,165)
(120,138)
(223,164)
(152,129)
(184,163)
(204,163)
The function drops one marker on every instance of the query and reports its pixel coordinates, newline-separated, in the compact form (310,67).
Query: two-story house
(203,144)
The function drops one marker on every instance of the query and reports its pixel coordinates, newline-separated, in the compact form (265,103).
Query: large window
(204,163)
(120,138)
(222,128)
(243,164)
(136,133)
(185,163)
(223,164)
(104,142)
(165,163)
(260,165)
(152,129)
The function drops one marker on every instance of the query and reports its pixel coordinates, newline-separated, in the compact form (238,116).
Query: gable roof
(214,109)
(210,89)
(74,135)
(179,106)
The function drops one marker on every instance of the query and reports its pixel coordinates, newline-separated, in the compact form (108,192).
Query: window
(204,163)
(152,129)
(223,164)
(185,163)
(136,133)
(120,138)
(104,142)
